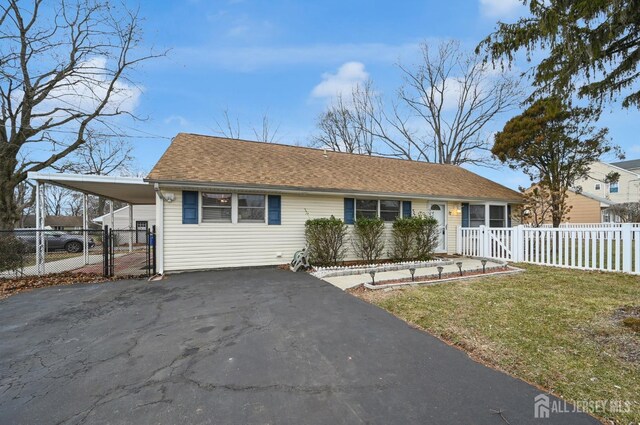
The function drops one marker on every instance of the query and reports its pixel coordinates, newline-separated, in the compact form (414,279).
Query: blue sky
(255,57)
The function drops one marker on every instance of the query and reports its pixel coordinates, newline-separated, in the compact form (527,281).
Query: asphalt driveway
(259,346)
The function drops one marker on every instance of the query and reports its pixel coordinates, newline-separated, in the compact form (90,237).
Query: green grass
(556,328)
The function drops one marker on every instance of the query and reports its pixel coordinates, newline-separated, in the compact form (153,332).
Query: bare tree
(628,212)
(389,128)
(101,156)
(440,114)
(65,71)
(453,94)
(340,129)
(228,126)
(58,200)
(267,132)
(24,195)
(361,124)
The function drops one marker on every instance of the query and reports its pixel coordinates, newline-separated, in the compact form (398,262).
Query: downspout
(160,199)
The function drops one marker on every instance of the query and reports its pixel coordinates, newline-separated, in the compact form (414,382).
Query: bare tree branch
(65,73)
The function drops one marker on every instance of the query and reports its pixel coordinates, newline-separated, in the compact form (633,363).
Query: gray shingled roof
(630,164)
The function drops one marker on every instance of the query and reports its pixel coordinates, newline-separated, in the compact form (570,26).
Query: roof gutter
(320,191)
(169,197)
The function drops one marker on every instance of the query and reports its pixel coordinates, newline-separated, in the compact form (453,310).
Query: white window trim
(487,212)
(201,207)
(234,209)
(355,206)
(266,209)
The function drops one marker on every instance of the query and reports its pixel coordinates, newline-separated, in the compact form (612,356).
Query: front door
(438,211)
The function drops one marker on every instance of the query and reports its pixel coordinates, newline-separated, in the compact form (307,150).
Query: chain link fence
(108,252)
(62,251)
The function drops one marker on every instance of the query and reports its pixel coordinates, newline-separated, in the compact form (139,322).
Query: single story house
(144,217)
(56,222)
(231,203)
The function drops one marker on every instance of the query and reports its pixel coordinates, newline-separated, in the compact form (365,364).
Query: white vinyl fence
(589,247)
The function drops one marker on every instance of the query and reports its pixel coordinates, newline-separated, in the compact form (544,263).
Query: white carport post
(85,228)
(130,227)
(40,238)
(114,239)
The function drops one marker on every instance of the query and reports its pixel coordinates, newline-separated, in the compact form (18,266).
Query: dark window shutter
(189,207)
(508,215)
(275,208)
(465,214)
(406,209)
(349,210)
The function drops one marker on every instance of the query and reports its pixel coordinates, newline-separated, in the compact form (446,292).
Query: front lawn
(560,329)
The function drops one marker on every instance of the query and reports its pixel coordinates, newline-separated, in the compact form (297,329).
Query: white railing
(606,248)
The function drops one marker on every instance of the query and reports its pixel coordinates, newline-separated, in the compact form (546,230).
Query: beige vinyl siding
(140,213)
(583,209)
(220,245)
(628,185)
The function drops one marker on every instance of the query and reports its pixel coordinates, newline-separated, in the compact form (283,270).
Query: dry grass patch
(561,329)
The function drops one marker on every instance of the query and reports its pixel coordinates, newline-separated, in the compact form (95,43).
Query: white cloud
(85,90)
(349,75)
(501,9)
(177,119)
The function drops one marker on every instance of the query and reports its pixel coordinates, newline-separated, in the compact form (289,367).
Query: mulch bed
(14,286)
(420,279)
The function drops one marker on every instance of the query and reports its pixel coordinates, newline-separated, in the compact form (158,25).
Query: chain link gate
(125,255)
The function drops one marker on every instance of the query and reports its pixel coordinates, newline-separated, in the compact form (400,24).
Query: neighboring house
(632,165)
(57,222)
(144,217)
(596,187)
(626,189)
(231,203)
(585,208)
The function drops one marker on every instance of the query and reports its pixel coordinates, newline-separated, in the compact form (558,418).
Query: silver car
(54,240)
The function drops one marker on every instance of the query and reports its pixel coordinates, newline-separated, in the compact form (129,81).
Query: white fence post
(484,242)
(459,240)
(627,239)
(516,244)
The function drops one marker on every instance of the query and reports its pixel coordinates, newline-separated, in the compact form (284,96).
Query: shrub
(403,235)
(414,238)
(325,239)
(426,237)
(368,238)
(12,253)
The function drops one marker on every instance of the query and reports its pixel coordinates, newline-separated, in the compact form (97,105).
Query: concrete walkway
(468,265)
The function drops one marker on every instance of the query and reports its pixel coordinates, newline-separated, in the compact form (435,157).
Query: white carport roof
(132,190)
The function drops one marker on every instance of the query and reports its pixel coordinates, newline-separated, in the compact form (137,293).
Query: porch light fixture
(484,265)
(412,270)
(455,211)
(440,268)
(459,264)
(373,276)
